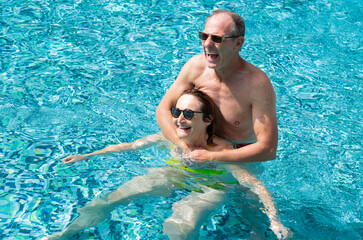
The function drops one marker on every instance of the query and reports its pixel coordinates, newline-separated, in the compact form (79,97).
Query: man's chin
(212,62)
(212,65)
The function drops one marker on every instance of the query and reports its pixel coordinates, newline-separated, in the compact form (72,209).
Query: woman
(193,118)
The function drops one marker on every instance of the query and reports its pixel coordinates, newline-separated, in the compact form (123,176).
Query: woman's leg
(157,183)
(190,213)
(249,180)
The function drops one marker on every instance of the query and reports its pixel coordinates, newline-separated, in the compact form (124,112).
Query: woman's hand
(280,230)
(73,158)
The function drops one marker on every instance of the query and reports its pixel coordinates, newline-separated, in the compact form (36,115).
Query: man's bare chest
(233,102)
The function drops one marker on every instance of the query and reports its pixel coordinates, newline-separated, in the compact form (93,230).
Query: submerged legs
(190,212)
(157,183)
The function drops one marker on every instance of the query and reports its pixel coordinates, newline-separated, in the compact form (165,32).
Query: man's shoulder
(255,71)
(195,66)
(197,61)
(261,86)
(257,76)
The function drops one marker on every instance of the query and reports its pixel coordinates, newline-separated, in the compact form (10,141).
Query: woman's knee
(177,229)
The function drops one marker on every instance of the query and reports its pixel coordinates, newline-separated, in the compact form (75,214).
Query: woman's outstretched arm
(138,144)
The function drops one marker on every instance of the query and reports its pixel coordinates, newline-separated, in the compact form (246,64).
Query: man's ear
(239,42)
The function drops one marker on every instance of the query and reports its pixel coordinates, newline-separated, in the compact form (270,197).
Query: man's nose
(208,42)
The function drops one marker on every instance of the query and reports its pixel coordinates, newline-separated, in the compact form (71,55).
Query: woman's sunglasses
(215,38)
(188,114)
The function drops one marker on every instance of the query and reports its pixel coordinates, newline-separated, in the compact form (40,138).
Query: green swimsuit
(192,177)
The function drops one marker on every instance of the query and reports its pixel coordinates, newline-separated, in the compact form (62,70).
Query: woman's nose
(181,117)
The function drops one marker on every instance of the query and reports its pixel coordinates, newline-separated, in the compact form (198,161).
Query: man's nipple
(236,123)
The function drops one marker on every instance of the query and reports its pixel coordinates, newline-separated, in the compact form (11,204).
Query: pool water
(79,75)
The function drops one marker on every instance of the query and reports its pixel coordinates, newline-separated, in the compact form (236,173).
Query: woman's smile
(192,130)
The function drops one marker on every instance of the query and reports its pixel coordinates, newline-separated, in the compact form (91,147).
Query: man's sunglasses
(215,38)
(188,114)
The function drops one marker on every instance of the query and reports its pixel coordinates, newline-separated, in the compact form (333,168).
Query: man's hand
(200,155)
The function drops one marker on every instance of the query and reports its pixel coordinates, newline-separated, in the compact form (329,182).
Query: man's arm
(264,125)
(163,115)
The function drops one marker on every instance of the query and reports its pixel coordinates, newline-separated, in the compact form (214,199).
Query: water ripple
(76,76)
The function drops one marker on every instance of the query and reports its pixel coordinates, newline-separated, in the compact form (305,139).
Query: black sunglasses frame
(187,113)
(215,38)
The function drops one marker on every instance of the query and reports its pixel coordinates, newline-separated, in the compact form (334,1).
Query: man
(243,94)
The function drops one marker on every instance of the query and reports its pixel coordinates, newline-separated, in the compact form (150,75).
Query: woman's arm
(138,144)
(247,179)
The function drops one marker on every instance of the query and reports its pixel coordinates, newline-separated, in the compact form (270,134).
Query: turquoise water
(79,75)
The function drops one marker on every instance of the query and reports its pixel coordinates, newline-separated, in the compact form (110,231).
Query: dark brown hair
(238,20)
(208,109)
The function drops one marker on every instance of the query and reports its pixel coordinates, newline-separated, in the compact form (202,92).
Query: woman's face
(192,131)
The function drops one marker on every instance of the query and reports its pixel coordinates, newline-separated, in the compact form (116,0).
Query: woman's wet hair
(208,109)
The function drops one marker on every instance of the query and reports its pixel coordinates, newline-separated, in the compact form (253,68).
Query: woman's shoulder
(220,144)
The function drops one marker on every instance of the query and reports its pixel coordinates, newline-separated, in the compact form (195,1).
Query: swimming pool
(79,75)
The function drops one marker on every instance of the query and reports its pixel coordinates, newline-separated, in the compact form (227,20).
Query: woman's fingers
(72,158)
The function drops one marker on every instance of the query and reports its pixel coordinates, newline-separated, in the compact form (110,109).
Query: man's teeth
(212,55)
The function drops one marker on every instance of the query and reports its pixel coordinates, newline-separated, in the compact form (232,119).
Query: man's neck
(225,73)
